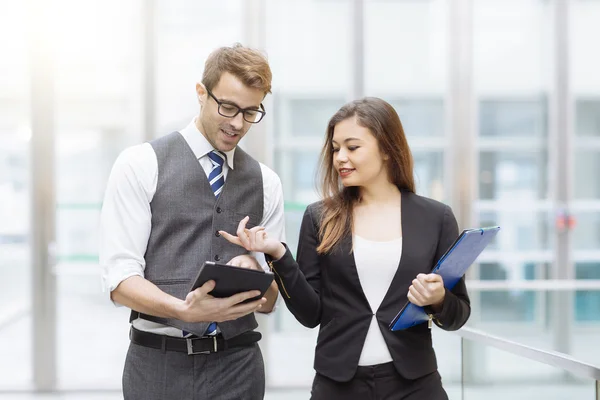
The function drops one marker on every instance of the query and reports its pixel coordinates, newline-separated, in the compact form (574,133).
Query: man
(165,203)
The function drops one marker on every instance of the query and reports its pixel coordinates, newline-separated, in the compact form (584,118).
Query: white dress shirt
(125,220)
(376,263)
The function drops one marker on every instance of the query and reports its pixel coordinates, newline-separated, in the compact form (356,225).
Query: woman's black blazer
(325,290)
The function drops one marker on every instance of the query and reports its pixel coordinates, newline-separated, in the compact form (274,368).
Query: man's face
(224,133)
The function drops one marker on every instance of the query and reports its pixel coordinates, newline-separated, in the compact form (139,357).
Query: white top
(376,263)
(125,220)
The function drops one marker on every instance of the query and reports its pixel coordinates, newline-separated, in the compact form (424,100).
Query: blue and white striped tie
(216,179)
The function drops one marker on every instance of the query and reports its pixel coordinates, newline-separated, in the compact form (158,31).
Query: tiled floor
(488,392)
(271,395)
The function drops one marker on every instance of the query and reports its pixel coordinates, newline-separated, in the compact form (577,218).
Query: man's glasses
(229,110)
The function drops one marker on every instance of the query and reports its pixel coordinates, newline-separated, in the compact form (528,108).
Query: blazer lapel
(345,258)
(404,273)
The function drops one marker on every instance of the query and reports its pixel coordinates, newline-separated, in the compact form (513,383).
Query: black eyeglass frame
(260,112)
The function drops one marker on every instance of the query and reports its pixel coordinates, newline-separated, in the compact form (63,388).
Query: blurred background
(500,101)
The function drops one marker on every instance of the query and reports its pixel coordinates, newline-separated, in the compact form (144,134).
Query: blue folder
(452,266)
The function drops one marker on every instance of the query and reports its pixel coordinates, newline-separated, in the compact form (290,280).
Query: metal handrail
(550,285)
(552,358)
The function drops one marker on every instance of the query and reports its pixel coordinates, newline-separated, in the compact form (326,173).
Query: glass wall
(98,113)
(15,134)
(406,64)
(186,32)
(512,91)
(312,79)
(585,87)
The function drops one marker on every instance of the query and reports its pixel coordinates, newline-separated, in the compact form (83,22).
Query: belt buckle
(190,346)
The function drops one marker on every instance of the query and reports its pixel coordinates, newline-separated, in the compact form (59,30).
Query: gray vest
(186,217)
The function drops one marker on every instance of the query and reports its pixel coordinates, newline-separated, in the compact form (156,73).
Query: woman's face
(356,155)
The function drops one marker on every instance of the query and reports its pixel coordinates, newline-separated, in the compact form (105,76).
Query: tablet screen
(230,279)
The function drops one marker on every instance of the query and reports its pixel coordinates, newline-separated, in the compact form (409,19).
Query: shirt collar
(199,145)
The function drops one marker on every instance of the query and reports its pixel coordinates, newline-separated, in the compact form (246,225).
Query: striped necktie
(216,178)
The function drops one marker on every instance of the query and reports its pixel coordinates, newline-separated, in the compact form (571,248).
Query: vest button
(217,258)
(217,234)
(219,210)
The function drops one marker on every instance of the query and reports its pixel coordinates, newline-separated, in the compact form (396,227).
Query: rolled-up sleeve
(125,219)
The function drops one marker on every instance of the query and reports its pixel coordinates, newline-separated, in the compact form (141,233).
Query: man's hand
(427,290)
(200,306)
(245,261)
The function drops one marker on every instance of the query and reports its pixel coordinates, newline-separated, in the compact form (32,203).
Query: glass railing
(550,316)
(496,368)
(553,315)
(525,339)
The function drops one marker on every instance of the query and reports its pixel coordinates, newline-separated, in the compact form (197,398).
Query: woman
(363,250)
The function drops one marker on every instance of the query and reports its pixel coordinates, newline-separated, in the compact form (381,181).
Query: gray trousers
(233,374)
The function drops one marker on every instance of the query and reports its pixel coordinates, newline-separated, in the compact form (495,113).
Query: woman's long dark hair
(338,201)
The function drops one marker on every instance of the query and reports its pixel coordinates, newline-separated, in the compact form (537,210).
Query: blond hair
(248,65)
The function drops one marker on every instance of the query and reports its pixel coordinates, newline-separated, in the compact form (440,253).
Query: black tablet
(230,279)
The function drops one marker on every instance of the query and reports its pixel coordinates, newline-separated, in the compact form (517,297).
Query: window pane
(513,176)
(98,114)
(413,78)
(584,64)
(586,234)
(77,233)
(504,306)
(513,42)
(587,302)
(15,135)
(421,117)
(187,31)
(311,60)
(514,305)
(584,83)
(406,44)
(306,117)
(587,114)
(524,118)
(85,153)
(309,47)
(83,308)
(587,165)
(513,47)
(429,166)
(520,230)
(297,170)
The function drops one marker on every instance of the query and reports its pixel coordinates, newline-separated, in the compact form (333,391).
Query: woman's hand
(245,261)
(255,239)
(427,290)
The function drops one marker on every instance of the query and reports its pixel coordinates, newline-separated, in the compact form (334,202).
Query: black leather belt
(191,346)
